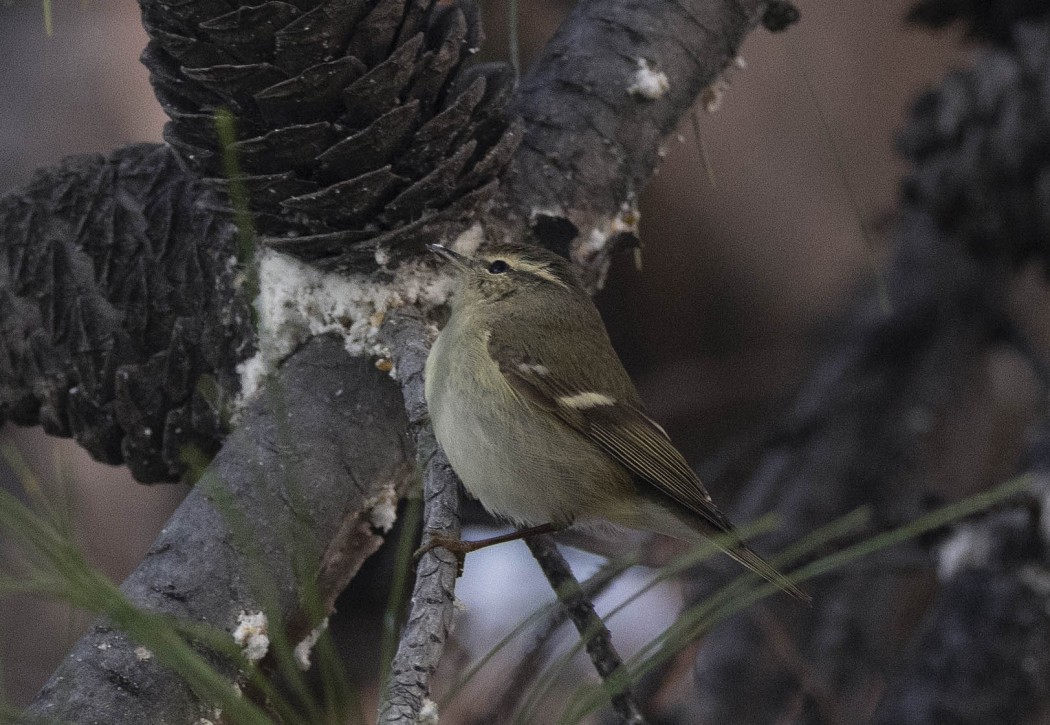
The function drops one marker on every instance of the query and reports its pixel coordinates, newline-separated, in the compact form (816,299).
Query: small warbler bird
(541,422)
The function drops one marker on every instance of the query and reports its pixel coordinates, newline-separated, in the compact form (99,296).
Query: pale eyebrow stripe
(542,272)
(524,265)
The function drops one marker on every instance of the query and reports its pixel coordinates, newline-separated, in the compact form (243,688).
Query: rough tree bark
(590,141)
(432,605)
(311,459)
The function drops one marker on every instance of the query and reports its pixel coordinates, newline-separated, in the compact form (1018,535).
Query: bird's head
(504,272)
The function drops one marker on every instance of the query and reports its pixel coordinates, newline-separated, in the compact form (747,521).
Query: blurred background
(745,258)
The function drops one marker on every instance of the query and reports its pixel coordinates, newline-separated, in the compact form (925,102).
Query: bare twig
(504,704)
(590,626)
(423,639)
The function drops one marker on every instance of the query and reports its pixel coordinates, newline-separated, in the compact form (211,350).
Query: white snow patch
(306,646)
(428,714)
(468,242)
(625,221)
(251,635)
(382,508)
(143,654)
(712,96)
(297,302)
(968,546)
(648,83)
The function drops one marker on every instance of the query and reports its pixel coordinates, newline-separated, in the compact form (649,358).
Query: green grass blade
(746,591)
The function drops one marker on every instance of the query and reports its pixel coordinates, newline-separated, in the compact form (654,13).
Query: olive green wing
(622,430)
(631,437)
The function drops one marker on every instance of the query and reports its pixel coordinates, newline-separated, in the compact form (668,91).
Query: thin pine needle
(851,193)
(31,484)
(341,697)
(513,37)
(49,24)
(54,562)
(226,128)
(61,495)
(701,148)
(747,590)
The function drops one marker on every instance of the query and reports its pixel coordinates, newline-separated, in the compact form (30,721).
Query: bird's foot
(460,548)
(456,546)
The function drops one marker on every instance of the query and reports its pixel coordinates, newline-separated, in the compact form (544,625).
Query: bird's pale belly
(518,472)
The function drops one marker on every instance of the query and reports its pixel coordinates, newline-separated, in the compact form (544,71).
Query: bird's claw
(456,546)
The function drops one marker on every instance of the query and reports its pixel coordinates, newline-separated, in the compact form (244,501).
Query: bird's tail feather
(754,562)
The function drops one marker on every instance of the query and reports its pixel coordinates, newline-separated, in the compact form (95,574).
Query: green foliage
(749,589)
(226,128)
(52,565)
(43,559)
(700,618)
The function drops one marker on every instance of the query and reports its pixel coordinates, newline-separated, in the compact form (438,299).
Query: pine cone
(121,317)
(981,148)
(360,132)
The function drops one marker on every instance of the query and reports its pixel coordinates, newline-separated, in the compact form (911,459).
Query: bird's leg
(461,548)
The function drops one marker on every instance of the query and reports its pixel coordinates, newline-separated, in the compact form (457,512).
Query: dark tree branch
(430,616)
(595,634)
(591,140)
(893,409)
(502,707)
(311,459)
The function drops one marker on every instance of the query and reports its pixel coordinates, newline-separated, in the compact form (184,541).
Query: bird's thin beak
(457,259)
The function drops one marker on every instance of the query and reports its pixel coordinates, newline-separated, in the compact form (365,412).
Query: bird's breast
(521,462)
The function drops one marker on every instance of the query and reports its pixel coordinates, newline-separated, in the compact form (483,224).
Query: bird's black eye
(498,267)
